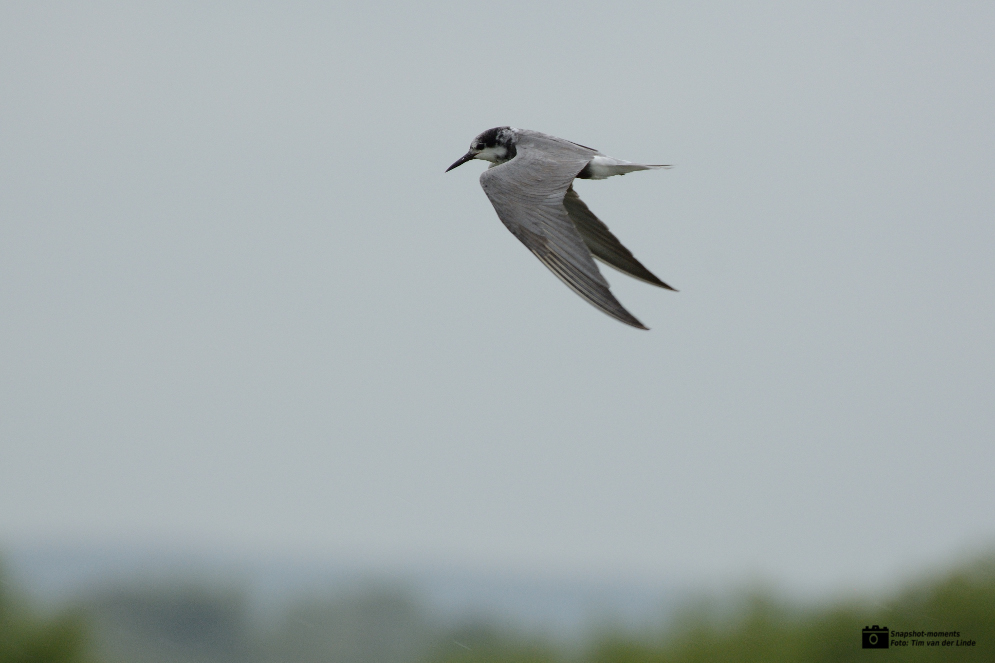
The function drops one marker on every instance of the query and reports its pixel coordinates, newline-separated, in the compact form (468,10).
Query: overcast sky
(243,308)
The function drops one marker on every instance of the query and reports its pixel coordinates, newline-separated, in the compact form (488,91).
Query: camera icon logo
(874,637)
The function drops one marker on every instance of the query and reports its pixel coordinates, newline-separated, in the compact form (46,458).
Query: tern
(530,184)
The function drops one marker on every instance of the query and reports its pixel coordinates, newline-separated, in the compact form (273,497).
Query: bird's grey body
(530,184)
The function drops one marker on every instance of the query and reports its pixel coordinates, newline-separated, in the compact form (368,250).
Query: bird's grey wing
(602,243)
(559,148)
(527,194)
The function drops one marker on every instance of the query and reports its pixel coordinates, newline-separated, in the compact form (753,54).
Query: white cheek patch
(493,154)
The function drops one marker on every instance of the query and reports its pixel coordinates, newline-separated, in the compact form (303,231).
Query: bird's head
(496,145)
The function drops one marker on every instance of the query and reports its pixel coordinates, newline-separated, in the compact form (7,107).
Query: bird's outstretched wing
(528,196)
(603,244)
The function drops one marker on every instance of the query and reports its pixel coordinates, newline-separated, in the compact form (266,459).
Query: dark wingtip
(622,315)
(651,278)
(647,276)
(632,321)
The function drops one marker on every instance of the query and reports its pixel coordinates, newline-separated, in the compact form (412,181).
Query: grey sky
(241,306)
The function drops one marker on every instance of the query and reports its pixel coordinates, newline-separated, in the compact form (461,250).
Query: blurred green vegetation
(194,623)
(758,627)
(763,629)
(29,636)
(483,643)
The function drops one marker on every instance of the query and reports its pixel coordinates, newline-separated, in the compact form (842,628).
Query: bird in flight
(530,184)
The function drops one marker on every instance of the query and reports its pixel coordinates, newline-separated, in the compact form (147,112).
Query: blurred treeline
(199,624)
(28,635)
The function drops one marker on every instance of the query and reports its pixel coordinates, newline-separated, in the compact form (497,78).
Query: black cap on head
(489,138)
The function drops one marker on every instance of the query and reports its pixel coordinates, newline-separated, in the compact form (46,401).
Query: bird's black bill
(462,160)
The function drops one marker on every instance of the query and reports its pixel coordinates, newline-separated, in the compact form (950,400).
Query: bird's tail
(601,167)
